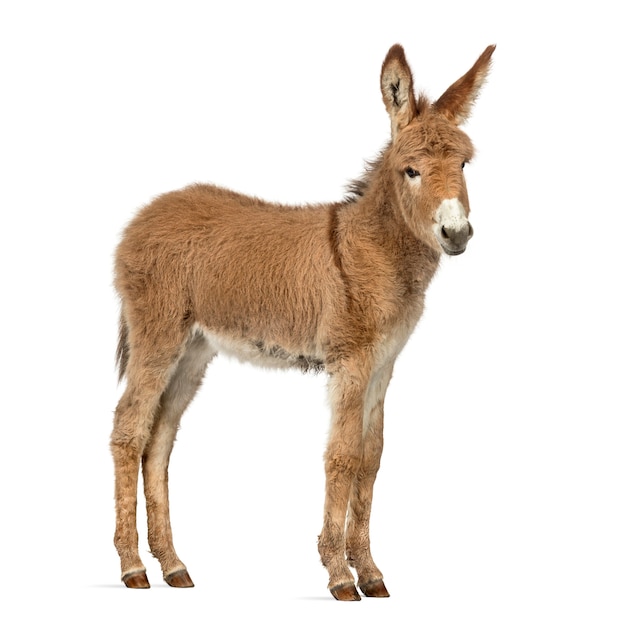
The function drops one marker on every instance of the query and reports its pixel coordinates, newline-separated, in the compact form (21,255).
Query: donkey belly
(259,352)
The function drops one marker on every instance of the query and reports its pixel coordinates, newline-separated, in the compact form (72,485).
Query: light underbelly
(259,352)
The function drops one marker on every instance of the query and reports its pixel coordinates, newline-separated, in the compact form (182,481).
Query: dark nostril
(470,233)
(444,234)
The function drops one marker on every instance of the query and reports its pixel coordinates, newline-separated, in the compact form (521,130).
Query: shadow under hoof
(374,589)
(180,578)
(136,580)
(347,591)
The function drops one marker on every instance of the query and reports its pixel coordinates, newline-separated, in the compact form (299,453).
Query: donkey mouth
(453,251)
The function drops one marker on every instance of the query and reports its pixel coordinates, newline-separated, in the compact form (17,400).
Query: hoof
(180,578)
(346,591)
(136,580)
(375,589)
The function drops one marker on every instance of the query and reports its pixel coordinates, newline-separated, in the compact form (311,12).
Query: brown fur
(337,287)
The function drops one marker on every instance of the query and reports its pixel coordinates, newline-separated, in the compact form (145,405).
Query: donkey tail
(121,354)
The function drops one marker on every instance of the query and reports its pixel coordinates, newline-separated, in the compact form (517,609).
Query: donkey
(338,287)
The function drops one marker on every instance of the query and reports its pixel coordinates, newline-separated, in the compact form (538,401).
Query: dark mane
(358,187)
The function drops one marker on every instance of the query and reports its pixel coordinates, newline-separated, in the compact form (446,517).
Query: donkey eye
(411,172)
(463,165)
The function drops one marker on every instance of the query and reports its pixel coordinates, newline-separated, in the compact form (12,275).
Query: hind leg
(148,373)
(181,388)
(357,529)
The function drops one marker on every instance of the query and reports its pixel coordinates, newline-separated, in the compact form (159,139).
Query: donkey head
(428,151)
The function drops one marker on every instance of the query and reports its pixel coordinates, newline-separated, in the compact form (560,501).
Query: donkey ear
(456,103)
(396,84)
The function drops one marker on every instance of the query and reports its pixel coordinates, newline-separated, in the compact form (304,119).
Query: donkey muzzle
(452,228)
(454,241)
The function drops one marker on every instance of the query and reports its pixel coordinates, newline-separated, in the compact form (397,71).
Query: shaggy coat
(336,287)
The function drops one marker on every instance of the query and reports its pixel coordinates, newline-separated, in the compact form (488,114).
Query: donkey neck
(377,210)
(373,235)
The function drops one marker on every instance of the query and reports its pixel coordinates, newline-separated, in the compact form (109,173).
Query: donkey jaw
(452,228)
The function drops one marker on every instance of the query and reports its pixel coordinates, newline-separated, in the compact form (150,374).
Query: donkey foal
(338,287)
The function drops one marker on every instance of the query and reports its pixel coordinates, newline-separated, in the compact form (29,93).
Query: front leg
(358,525)
(342,461)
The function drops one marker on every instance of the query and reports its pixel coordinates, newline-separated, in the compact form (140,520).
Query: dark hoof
(374,589)
(180,578)
(346,591)
(136,580)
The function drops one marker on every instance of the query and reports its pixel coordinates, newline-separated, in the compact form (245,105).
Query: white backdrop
(501,494)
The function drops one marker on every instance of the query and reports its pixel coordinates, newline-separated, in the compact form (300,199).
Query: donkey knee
(127,445)
(342,466)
